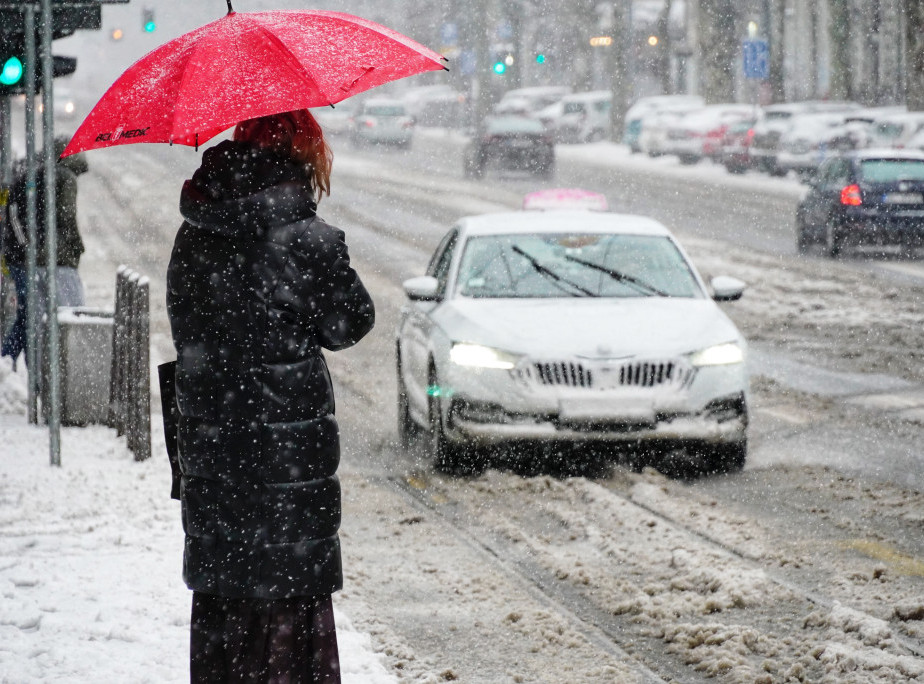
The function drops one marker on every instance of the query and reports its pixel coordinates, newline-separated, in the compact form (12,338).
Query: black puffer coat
(256,286)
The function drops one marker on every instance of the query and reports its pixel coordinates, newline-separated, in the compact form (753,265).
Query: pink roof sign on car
(565,198)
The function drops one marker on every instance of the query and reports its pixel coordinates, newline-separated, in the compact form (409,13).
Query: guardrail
(129,380)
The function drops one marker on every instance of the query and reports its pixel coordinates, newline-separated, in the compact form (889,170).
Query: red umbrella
(247,65)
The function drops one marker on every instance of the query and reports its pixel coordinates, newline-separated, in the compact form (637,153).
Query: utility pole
(618,55)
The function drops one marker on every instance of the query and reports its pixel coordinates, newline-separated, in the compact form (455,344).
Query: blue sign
(449,33)
(756,58)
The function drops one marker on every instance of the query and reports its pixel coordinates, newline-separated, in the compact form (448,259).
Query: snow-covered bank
(91,558)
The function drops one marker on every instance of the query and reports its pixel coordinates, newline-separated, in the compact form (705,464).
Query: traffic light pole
(53,379)
(32,352)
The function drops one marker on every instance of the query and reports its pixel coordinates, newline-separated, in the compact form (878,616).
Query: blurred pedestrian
(69,244)
(257,286)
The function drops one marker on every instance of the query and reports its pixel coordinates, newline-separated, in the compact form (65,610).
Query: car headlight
(718,355)
(478,356)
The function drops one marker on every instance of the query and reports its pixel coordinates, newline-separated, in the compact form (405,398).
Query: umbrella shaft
(230,9)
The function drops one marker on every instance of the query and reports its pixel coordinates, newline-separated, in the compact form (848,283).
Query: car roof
(886,153)
(561,220)
(589,95)
(383,101)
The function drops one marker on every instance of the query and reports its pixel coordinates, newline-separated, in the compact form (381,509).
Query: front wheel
(448,457)
(407,428)
(730,458)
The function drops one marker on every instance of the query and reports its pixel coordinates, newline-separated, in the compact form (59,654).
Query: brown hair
(296,135)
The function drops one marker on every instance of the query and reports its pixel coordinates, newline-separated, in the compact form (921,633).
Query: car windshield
(890,170)
(384,110)
(574,265)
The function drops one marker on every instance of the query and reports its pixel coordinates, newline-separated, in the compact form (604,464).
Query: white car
(382,121)
(570,326)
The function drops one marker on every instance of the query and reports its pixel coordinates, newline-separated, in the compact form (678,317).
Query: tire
(448,457)
(688,159)
(833,241)
(803,242)
(408,430)
(730,458)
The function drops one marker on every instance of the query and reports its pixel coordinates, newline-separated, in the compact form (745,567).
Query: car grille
(649,373)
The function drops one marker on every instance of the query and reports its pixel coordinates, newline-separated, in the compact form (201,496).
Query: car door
(418,326)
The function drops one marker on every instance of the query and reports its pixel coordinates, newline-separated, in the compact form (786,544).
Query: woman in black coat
(257,285)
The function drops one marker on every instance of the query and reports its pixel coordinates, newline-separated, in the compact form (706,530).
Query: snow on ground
(91,560)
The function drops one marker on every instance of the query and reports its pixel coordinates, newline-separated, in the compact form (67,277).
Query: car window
(891,170)
(569,264)
(838,173)
(442,259)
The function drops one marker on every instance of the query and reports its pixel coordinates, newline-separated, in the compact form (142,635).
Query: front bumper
(492,407)
(874,227)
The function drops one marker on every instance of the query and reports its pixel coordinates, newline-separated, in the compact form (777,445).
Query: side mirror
(727,289)
(421,289)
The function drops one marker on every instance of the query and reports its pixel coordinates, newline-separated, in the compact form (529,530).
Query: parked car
(511,142)
(735,148)
(812,138)
(895,129)
(697,134)
(644,106)
(564,327)
(652,137)
(337,120)
(775,120)
(382,121)
(867,197)
(529,101)
(579,118)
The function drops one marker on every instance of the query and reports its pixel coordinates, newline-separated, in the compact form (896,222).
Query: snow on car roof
(573,220)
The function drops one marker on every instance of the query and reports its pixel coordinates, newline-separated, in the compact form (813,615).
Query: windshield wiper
(621,277)
(544,270)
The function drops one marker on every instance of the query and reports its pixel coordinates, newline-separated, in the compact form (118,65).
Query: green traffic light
(540,59)
(499,67)
(150,26)
(12,71)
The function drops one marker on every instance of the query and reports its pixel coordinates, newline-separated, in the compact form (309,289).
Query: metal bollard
(130,397)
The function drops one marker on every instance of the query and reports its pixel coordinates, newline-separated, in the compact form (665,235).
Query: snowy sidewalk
(91,561)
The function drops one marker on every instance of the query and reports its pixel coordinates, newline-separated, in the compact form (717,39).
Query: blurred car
(644,106)
(511,142)
(569,326)
(529,101)
(774,120)
(697,134)
(382,121)
(336,120)
(867,197)
(652,137)
(735,148)
(811,139)
(579,118)
(895,129)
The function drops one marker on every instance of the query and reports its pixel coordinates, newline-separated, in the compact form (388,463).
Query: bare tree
(839,29)
(914,54)
(718,45)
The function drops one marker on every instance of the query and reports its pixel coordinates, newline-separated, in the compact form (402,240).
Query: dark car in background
(867,197)
(511,142)
(735,149)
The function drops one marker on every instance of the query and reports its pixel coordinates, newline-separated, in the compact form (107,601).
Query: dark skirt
(254,641)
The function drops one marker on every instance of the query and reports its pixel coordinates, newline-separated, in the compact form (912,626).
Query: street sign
(449,34)
(756,59)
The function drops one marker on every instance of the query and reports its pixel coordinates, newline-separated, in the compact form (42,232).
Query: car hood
(593,328)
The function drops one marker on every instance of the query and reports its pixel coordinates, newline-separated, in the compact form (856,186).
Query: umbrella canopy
(246,65)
